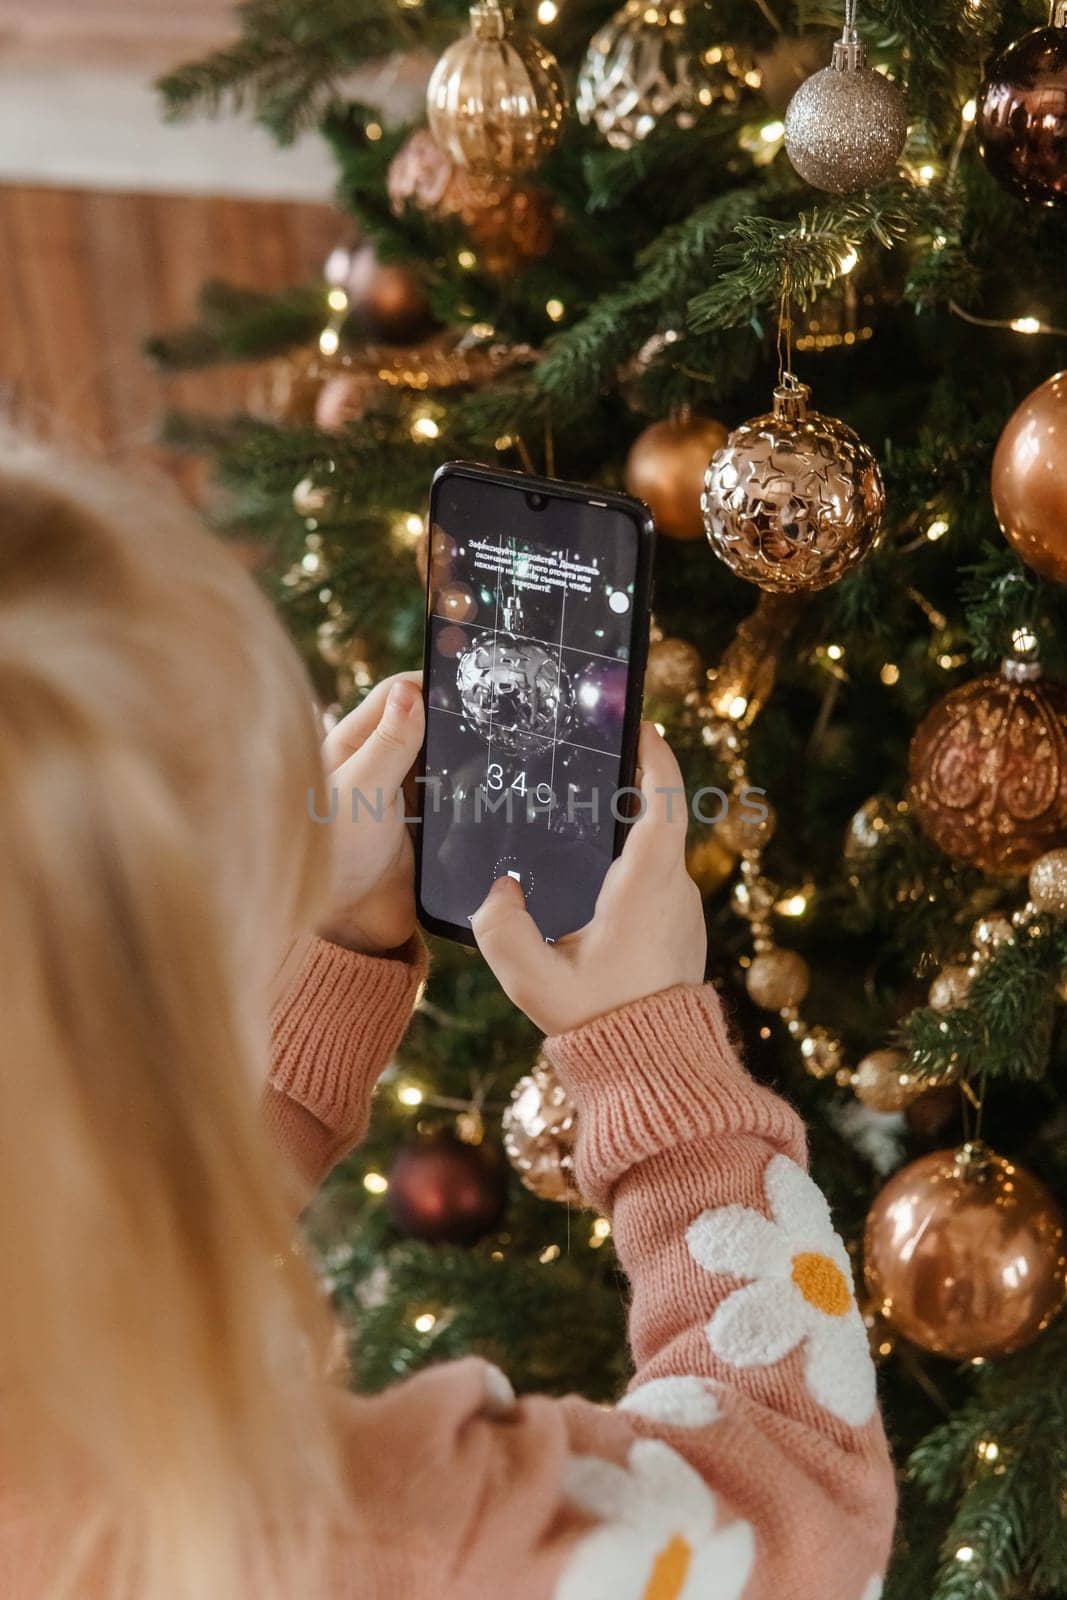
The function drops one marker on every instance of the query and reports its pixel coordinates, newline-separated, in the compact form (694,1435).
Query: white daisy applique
(800,1293)
(873,1590)
(677,1402)
(658,1536)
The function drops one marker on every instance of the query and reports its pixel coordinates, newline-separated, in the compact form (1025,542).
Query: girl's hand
(372,751)
(647,931)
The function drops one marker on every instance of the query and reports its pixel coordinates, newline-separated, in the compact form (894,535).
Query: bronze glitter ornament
(777,979)
(540,1130)
(665,468)
(674,669)
(988,770)
(496,98)
(1022,114)
(964,1254)
(1030,479)
(1048,883)
(950,988)
(845,127)
(509,224)
(883,1083)
(641,70)
(748,825)
(709,862)
(794,499)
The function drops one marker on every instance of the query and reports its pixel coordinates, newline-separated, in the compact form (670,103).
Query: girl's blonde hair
(160,1337)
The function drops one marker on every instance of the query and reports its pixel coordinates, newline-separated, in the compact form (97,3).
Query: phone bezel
(582,494)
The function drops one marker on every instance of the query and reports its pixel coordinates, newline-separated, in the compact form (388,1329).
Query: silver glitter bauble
(640,70)
(514,691)
(794,499)
(846,125)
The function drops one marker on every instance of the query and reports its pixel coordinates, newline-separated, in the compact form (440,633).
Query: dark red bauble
(443,1191)
(1022,117)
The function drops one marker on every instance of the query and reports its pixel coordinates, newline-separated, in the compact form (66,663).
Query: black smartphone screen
(538,618)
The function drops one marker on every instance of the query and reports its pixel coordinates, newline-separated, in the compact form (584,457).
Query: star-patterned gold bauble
(540,1130)
(988,770)
(641,70)
(794,499)
(496,98)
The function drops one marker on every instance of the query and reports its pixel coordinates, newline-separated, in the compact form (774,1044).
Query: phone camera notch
(536,502)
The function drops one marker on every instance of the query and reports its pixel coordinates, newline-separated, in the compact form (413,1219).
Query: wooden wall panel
(85,277)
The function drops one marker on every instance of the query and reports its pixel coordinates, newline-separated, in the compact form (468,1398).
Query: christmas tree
(622,234)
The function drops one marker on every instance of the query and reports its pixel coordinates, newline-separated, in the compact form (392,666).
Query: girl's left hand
(367,758)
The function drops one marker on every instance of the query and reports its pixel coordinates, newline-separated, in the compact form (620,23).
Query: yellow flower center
(670,1571)
(822,1283)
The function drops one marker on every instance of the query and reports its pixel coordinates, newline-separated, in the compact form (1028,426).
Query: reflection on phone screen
(531,630)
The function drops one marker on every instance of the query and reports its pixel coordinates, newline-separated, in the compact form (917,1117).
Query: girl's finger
(353,731)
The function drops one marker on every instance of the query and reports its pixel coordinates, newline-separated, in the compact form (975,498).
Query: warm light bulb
(988,1450)
(970,111)
(554,309)
(547,12)
(423,428)
(548,1254)
(467,259)
(771,132)
(848,261)
(374,1183)
(329,341)
(409,1094)
(937,529)
(1025,325)
(600,1231)
(965,1554)
(835,651)
(337,300)
(890,673)
(794,905)
(425,1323)
(926,173)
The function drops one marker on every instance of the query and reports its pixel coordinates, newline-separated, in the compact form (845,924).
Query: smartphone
(538,602)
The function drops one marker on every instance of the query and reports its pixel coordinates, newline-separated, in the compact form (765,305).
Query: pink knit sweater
(747,1460)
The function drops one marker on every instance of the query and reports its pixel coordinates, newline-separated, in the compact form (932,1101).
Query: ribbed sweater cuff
(658,1074)
(338,1024)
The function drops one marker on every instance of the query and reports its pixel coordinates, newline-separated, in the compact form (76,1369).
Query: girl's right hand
(647,931)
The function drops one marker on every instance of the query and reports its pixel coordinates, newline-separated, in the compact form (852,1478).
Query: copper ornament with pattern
(987,770)
(794,499)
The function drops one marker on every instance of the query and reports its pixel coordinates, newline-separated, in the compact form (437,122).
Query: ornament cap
(1023,665)
(850,51)
(490,20)
(791,402)
(973,1161)
(1057,14)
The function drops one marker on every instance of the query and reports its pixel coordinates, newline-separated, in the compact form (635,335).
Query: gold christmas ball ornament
(386,297)
(777,979)
(845,127)
(964,1254)
(989,933)
(311,499)
(509,224)
(1048,883)
(709,861)
(674,669)
(950,988)
(641,69)
(869,827)
(882,1081)
(540,1130)
(794,499)
(496,98)
(343,399)
(749,823)
(988,770)
(665,468)
(821,1052)
(1030,479)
